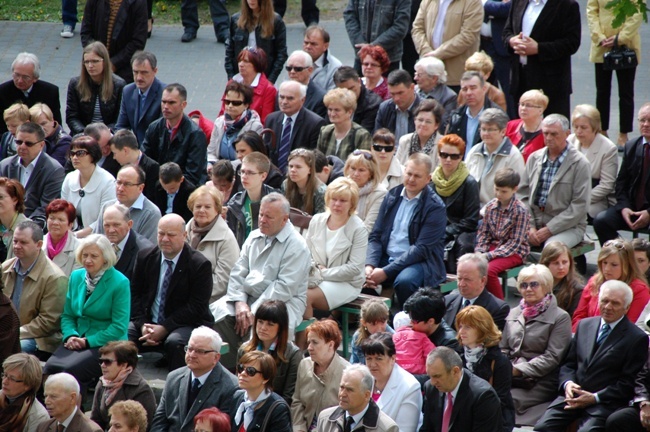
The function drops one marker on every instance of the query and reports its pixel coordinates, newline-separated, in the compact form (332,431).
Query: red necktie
(446,415)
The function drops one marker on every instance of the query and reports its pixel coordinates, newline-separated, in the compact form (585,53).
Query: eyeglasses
(250,370)
(125,184)
(366,155)
(92,62)
(78,153)
(233,102)
(105,361)
(379,148)
(618,244)
(528,105)
(189,349)
(532,285)
(10,378)
(452,156)
(27,143)
(367,64)
(295,68)
(247,173)
(20,77)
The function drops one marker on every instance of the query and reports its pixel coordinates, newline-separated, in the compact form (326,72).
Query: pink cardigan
(412,348)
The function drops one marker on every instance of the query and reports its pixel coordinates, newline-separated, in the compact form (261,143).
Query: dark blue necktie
(605,330)
(163,289)
(141,106)
(285,146)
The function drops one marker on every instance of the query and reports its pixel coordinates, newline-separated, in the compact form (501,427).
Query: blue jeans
(69,12)
(28,346)
(408,281)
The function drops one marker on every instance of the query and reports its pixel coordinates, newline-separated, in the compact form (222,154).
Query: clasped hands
(374,276)
(523,45)
(153,334)
(576,398)
(636,220)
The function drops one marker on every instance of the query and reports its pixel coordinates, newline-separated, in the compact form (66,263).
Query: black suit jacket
(476,408)
(609,369)
(151,170)
(188,294)
(367,107)
(129,118)
(180,200)
(42,91)
(304,134)
(630,177)
(497,308)
(133,245)
(44,184)
(314,99)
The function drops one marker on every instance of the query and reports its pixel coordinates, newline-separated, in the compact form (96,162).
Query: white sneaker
(67,31)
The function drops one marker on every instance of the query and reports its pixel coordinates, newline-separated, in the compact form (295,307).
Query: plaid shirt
(549,169)
(505,228)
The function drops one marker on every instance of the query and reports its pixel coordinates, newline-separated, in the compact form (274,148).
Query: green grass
(164,11)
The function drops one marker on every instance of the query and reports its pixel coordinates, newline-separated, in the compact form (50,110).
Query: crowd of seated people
(174,236)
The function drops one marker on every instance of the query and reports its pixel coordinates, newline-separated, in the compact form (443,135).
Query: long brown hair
(625,252)
(273,311)
(106,86)
(296,199)
(566,291)
(265,19)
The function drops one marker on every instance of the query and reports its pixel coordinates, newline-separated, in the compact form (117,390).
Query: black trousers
(81,364)
(625,79)
(607,224)
(625,419)
(173,348)
(218,12)
(309,11)
(500,74)
(556,418)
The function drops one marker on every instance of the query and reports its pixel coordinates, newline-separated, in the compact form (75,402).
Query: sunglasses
(526,285)
(366,155)
(618,244)
(250,370)
(27,143)
(78,153)
(378,148)
(452,156)
(105,361)
(233,102)
(295,68)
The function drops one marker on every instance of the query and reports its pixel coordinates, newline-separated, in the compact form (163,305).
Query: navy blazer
(44,184)
(497,11)
(629,177)
(303,135)
(426,236)
(129,118)
(497,307)
(133,245)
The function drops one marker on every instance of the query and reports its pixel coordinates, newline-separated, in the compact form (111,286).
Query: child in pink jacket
(412,347)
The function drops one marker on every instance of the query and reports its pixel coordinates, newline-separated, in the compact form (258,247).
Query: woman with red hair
(212,420)
(374,65)
(60,242)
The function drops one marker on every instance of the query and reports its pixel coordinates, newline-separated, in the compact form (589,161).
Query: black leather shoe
(188,36)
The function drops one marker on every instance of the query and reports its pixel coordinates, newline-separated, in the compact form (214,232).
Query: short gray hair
(421,159)
(448,356)
(278,197)
(122,209)
(37,231)
(541,271)
(65,381)
(367,380)
(103,244)
(25,58)
(494,116)
(617,285)
(308,61)
(433,67)
(468,75)
(553,119)
(478,259)
(302,89)
(215,339)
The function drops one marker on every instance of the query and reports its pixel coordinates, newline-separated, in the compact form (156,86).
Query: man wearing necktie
(456,400)
(61,394)
(356,410)
(598,375)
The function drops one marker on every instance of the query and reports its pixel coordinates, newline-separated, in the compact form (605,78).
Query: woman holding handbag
(605,38)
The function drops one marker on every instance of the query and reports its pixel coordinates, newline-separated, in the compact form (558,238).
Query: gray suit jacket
(79,423)
(173,413)
(314,99)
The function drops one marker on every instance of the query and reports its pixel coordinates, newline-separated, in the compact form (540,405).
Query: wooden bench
(354,307)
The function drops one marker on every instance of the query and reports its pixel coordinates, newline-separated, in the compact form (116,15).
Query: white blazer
(99,190)
(65,260)
(401,400)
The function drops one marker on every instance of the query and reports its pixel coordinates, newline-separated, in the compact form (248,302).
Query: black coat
(630,177)
(462,208)
(151,170)
(497,307)
(279,421)
(387,117)
(180,200)
(42,91)
(367,107)
(129,254)
(79,114)
(129,31)
(458,123)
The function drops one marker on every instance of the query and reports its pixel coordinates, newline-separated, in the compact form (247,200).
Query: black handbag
(620,57)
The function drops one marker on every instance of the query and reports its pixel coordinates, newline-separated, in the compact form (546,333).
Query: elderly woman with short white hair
(96,311)
(431,76)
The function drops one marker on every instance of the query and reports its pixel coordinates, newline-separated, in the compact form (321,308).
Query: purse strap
(616,41)
(267,417)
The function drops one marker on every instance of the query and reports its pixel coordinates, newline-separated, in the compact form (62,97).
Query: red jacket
(513,132)
(264,96)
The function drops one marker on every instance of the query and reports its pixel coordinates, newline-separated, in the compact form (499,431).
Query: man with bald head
(170,292)
(294,125)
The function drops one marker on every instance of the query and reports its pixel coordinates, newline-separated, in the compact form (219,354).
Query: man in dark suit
(636,417)
(125,150)
(126,242)
(605,356)
(61,398)
(632,209)
(203,383)
(472,277)
(26,87)
(541,57)
(456,400)
(302,130)
(172,191)
(367,101)
(141,99)
(299,68)
(396,113)
(41,175)
(170,292)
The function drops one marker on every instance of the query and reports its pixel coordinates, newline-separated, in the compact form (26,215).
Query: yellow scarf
(446,187)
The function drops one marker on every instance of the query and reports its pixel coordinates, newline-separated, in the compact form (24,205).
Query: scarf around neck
(531,311)
(473,356)
(446,187)
(363,194)
(13,414)
(428,146)
(231,126)
(111,387)
(91,283)
(55,249)
(247,408)
(197,233)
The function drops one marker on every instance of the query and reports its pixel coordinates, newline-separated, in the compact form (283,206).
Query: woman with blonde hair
(526,131)
(96,94)
(342,136)
(616,261)
(57,141)
(337,240)
(302,187)
(479,337)
(601,153)
(567,283)
(362,168)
